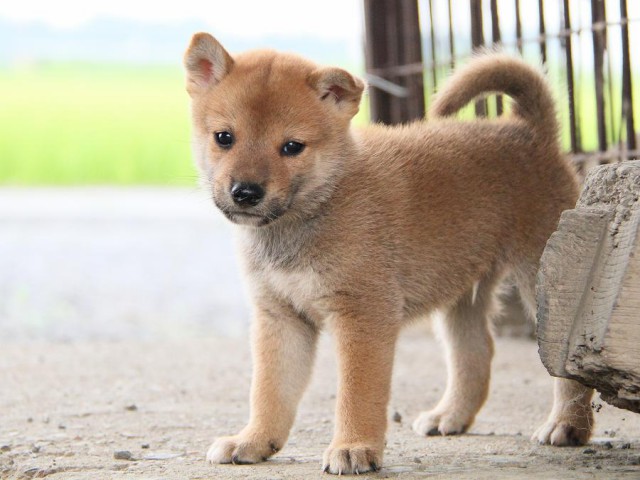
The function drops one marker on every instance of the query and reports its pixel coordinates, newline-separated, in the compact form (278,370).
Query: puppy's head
(269,129)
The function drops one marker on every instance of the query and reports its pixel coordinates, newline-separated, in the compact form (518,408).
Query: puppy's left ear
(338,87)
(206,63)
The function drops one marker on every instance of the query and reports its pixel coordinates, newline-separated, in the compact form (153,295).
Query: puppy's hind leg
(469,350)
(571,419)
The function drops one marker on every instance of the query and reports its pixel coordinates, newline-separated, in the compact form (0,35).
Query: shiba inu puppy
(361,231)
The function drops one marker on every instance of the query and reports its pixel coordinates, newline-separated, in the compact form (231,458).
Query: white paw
(349,458)
(563,433)
(240,450)
(435,422)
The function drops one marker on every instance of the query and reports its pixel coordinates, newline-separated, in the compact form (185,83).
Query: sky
(332,19)
(334,26)
(336,21)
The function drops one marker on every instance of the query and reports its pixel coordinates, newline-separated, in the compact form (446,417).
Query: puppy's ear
(338,87)
(206,63)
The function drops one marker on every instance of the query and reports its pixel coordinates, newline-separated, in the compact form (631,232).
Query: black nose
(247,194)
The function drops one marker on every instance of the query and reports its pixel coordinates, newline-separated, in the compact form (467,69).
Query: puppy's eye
(292,148)
(224,139)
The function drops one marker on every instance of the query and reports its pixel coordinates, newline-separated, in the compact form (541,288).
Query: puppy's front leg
(283,350)
(365,359)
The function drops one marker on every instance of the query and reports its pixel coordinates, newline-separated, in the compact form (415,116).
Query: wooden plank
(589,288)
(566,269)
(622,357)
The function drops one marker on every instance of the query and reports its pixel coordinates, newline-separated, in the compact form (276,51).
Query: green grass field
(92,124)
(95,124)
(75,124)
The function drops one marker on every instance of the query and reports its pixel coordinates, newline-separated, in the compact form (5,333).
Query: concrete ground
(123,329)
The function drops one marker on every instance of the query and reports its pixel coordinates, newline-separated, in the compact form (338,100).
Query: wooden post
(589,288)
(393,41)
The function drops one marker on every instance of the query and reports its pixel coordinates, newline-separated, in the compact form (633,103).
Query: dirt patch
(149,410)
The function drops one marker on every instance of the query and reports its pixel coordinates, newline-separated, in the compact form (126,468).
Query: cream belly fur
(362,231)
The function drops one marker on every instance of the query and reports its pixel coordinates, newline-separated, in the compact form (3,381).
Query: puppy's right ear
(206,63)
(338,87)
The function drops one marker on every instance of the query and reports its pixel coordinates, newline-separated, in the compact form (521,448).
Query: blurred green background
(79,123)
(94,94)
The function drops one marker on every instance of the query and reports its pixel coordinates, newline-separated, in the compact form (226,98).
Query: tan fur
(368,229)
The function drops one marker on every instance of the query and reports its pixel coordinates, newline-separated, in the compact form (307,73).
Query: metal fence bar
(564,33)
(573,125)
(616,129)
(627,90)
(452,50)
(518,27)
(496,37)
(376,54)
(598,15)
(432,32)
(543,32)
(477,41)
(393,46)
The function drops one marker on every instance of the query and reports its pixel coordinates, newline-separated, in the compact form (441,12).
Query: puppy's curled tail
(500,73)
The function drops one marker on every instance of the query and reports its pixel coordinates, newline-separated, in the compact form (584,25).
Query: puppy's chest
(302,287)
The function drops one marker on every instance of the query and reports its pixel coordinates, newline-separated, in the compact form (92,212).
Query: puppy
(361,231)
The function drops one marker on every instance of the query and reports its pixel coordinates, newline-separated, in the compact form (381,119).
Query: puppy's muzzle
(247,194)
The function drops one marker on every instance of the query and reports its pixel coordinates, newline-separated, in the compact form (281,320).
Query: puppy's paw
(348,458)
(435,422)
(563,433)
(240,450)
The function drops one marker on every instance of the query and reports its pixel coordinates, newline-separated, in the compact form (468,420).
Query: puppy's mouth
(243,218)
(255,219)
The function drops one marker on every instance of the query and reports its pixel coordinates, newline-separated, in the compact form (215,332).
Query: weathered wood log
(589,288)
